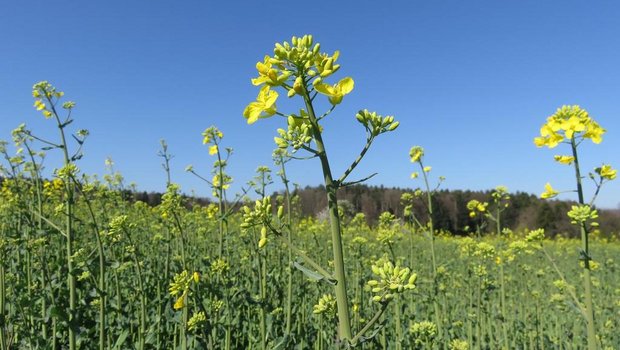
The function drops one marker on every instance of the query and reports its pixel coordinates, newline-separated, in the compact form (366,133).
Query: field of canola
(84,266)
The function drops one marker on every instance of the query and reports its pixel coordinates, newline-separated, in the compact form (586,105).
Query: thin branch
(301,254)
(53,225)
(357,160)
(345,184)
(370,323)
(326,113)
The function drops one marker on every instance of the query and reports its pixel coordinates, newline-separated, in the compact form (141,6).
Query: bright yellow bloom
(572,125)
(213,150)
(216,182)
(568,160)
(263,107)
(336,92)
(568,122)
(549,192)
(39,105)
(269,75)
(594,132)
(427,169)
(606,172)
(414,175)
(416,153)
(180,303)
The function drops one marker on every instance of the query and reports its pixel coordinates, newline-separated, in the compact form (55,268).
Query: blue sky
(470,81)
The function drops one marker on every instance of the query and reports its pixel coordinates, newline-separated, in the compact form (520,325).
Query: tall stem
(289,288)
(344,322)
(587,281)
(2,340)
(431,227)
(68,230)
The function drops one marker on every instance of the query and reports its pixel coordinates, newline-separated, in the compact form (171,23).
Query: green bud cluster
(535,235)
(261,215)
(579,214)
(67,171)
(326,305)
(299,132)
(376,124)
(393,280)
(423,332)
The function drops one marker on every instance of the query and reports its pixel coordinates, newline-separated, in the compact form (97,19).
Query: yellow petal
(180,303)
(346,85)
(325,89)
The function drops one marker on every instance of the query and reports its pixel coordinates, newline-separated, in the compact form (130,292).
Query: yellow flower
(216,181)
(212,150)
(427,169)
(606,172)
(549,192)
(263,107)
(180,303)
(336,92)
(268,75)
(569,122)
(568,160)
(594,132)
(39,105)
(572,125)
(416,153)
(414,175)
(549,137)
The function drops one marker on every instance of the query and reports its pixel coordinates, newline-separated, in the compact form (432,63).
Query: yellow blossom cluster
(299,68)
(568,123)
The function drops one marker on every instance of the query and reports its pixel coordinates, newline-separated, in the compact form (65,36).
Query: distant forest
(526,211)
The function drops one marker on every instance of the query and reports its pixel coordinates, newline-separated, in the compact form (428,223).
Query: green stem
(587,281)
(431,227)
(370,323)
(342,302)
(68,230)
(289,287)
(397,324)
(102,281)
(2,296)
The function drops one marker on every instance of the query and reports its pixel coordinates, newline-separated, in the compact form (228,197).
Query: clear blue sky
(471,81)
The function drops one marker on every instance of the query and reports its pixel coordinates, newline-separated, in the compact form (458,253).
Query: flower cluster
(606,172)
(171,201)
(550,192)
(326,305)
(568,123)
(262,216)
(376,124)
(46,97)
(299,133)
(416,153)
(501,196)
(197,321)
(476,207)
(580,214)
(423,332)
(393,280)
(297,67)
(180,287)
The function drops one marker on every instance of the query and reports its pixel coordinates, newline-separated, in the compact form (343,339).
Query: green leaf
(313,275)
(121,339)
